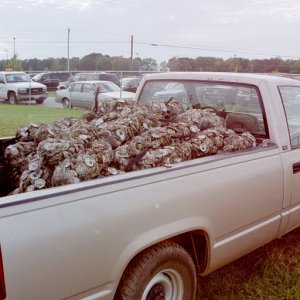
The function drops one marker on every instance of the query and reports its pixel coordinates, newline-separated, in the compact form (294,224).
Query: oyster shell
(117,137)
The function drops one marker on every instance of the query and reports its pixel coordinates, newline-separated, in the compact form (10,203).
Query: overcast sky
(161,29)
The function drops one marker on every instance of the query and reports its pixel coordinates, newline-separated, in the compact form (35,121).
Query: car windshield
(129,82)
(17,77)
(107,87)
(37,77)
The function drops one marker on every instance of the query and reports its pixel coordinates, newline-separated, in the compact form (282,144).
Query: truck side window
(290,96)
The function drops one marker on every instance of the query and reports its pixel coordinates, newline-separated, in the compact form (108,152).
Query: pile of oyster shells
(119,136)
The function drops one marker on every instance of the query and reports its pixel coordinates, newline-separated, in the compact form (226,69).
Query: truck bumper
(21,97)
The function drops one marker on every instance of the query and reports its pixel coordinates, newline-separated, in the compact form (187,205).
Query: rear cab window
(240,105)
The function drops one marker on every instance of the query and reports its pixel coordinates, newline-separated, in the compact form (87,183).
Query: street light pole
(68,50)
(14,62)
(131,56)
(6,50)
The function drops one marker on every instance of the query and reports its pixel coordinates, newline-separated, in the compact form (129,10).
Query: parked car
(51,79)
(130,84)
(82,93)
(90,76)
(17,86)
(171,90)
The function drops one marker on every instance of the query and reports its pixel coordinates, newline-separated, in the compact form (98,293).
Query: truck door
(291,160)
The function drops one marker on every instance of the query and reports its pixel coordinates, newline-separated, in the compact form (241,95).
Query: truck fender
(159,234)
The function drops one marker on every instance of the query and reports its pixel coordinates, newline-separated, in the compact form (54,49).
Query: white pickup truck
(145,234)
(17,86)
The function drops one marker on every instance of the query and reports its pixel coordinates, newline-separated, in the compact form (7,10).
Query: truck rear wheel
(39,101)
(164,271)
(12,98)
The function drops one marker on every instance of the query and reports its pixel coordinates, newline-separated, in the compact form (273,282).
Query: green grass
(12,117)
(271,272)
(51,93)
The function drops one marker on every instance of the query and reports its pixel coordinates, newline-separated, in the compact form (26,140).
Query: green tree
(181,64)
(15,64)
(163,66)
(219,65)
(137,62)
(148,64)
(119,63)
(285,66)
(74,64)
(88,62)
(295,67)
(103,63)
(205,64)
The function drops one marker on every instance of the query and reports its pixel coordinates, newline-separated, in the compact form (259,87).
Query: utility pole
(68,49)
(14,62)
(131,56)
(6,50)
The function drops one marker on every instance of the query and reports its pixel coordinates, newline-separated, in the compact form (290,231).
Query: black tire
(164,271)
(66,103)
(39,101)
(12,99)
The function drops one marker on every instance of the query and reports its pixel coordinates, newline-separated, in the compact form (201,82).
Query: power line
(63,42)
(154,44)
(212,49)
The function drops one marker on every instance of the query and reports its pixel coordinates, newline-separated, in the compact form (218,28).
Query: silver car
(82,93)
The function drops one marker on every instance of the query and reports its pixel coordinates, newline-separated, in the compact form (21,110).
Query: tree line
(100,62)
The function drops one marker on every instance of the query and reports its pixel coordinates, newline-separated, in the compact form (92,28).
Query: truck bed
(5,172)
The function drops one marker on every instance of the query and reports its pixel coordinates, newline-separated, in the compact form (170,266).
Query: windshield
(107,87)
(37,77)
(17,77)
(126,82)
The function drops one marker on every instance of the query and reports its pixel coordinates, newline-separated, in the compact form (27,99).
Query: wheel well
(196,243)
(8,92)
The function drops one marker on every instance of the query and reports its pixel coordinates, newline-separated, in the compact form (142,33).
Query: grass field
(12,117)
(51,93)
(271,272)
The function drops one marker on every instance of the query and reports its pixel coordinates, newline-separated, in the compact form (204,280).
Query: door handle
(296,168)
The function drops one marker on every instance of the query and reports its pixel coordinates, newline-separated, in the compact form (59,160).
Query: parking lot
(49,102)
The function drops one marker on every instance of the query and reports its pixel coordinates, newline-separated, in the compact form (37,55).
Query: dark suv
(90,76)
(51,79)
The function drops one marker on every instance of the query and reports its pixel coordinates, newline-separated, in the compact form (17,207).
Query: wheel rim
(12,99)
(165,285)
(66,103)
